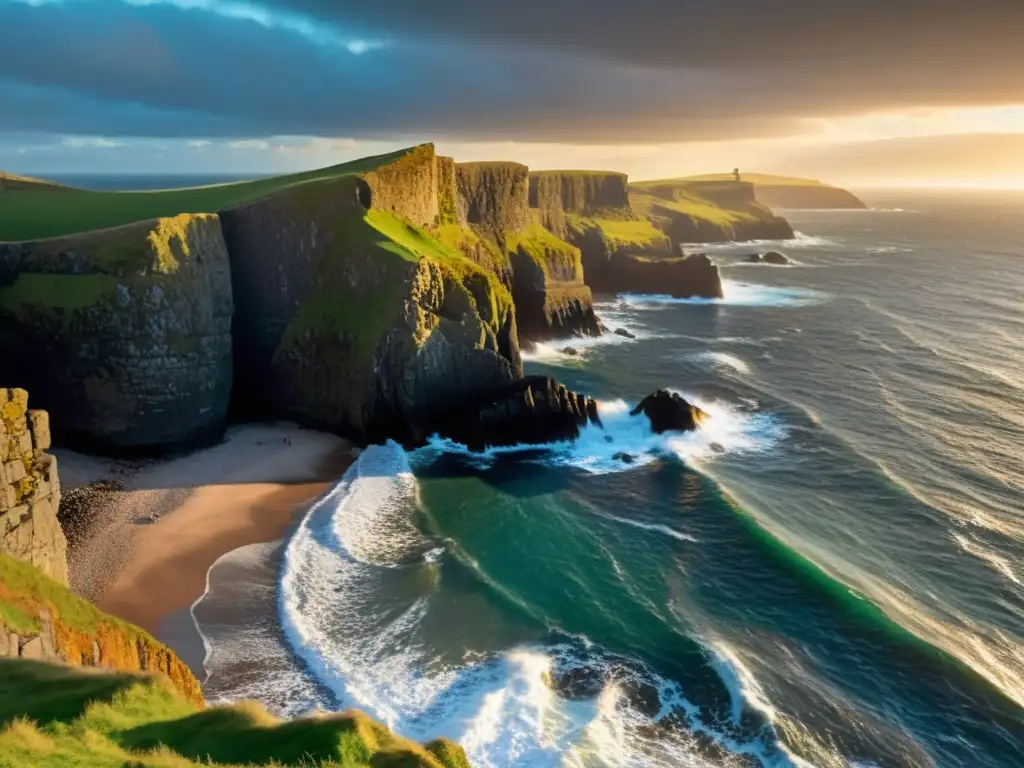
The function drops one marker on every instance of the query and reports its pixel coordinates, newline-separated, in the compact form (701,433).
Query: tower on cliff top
(736,174)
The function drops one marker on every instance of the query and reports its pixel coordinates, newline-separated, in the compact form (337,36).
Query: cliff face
(557,193)
(544,273)
(128,331)
(495,196)
(29,488)
(682,277)
(356,320)
(44,621)
(551,299)
(806,196)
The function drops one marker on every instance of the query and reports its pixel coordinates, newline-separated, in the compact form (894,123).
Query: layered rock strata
(29,488)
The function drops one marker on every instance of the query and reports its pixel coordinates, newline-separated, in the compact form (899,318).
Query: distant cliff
(627,244)
(790,192)
(707,211)
(544,273)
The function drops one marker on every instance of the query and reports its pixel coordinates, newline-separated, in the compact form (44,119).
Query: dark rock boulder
(668,411)
(682,277)
(774,257)
(624,333)
(533,410)
(771,257)
(571,352)
(576,684)
(625,458)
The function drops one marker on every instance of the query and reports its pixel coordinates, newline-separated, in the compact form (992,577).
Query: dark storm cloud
(562,70)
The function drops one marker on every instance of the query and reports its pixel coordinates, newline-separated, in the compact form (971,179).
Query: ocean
(830,573)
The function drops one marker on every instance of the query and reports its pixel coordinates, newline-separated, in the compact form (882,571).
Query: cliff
(557,193)
(128,331)
(29,488)
(543,272)
(707,211)
(793,193)
(43,620)
(355,319)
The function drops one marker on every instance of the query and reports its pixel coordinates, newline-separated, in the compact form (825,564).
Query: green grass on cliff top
(758,179)
(54,716)
(721,202)
(622,233)
(35,211)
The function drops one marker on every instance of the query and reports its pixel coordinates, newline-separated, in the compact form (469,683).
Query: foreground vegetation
(53,716)
(31,209)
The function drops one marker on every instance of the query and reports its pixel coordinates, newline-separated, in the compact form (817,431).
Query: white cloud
(90,142)
(199,143)
(257,144)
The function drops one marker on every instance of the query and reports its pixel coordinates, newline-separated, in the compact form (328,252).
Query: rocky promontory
(707,211)
(791,192)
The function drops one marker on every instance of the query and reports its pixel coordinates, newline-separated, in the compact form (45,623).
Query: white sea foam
(737,294)
(799,240)
(367,650)
(599,449)
(725,360)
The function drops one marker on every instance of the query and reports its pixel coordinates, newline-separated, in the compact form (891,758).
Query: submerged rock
(624,333)
(669,412)
(577,683)
(625,458)
(571,352)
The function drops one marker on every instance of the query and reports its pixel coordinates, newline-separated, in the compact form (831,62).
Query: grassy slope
(78,624)
(54,716)
(366,318)
(549,253)
(723,203)
(620,232)
(33,212)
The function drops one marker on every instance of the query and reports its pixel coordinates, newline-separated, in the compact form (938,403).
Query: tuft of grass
(40,210)
(57,716)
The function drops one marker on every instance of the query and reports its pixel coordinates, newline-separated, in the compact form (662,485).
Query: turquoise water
(829,574)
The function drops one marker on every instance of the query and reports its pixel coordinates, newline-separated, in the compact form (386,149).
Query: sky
(868,92)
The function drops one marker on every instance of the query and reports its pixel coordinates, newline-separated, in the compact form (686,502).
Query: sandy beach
(145,537)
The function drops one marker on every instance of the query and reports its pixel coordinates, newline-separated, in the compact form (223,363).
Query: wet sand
(145,541)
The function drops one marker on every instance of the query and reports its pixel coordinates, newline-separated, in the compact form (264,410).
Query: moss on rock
(128,330)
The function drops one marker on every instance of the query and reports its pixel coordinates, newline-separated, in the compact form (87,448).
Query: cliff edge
(792,192)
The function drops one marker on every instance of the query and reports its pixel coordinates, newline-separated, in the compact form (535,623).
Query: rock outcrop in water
(771,257)
(531,411)
(669,412)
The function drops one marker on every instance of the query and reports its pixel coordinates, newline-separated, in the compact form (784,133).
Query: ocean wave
(361,638)
(799,240)
(731,429)
(725,360)
(737,294)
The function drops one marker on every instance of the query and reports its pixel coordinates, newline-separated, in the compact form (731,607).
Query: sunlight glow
(937,121)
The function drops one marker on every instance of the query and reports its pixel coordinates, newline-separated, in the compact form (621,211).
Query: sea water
(828,573)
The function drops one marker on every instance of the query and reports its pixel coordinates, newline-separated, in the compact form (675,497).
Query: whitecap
(725,360)
(736,294)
